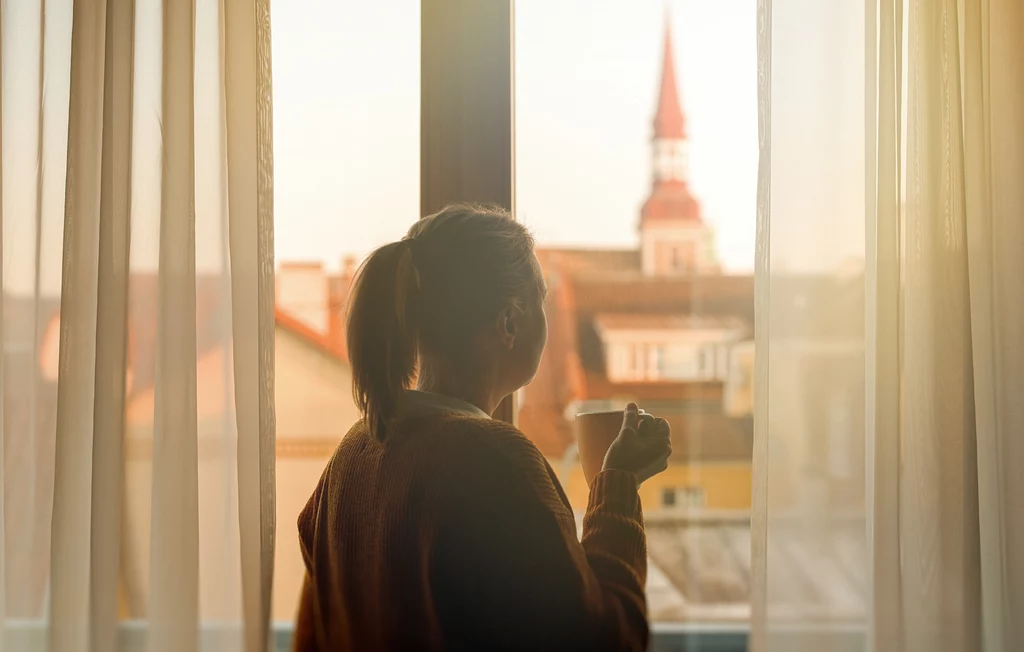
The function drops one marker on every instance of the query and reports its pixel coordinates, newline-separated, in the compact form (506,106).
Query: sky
(346,128)
(346,120)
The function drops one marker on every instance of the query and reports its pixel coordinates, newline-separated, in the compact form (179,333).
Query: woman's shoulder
(494,436)
(498,449)
(500,463)
(475,445)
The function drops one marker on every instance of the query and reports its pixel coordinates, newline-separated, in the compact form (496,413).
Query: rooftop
(699,568)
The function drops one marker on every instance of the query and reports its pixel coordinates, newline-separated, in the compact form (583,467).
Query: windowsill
(30,635)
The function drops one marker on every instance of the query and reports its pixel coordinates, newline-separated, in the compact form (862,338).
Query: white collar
(413,402)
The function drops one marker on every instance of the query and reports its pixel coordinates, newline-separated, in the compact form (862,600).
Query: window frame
(467,105)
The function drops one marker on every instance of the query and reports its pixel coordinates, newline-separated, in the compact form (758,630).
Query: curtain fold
(70,556)
(136,474)
(898,124)
(174,548)
(251,232)
(883,315)
(938,474)
(111,324)
(993,73)
(762,297)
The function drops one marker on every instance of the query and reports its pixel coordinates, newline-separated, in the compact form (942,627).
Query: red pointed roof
(669,121)
(670,199)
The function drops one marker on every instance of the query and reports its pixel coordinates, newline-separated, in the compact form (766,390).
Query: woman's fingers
(657,434)
(651,426)
(646,424)
(662,429)
(631,419)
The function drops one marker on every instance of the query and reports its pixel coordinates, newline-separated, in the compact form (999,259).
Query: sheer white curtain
(137,493)
(889,505)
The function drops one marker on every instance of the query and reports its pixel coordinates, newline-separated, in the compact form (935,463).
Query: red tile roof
(598,386)
(317,340)
(575,261)
(315,265)
(643,321)
(635,293)
(671,200)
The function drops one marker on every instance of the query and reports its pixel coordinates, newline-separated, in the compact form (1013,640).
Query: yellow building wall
(726,485)
(313,391)
(296,479)
(314,411)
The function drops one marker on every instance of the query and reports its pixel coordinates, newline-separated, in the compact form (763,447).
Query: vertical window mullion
(466,110)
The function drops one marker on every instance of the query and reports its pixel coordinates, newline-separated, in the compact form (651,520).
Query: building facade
(660,325)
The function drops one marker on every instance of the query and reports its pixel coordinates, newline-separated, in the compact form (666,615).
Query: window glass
(636,165)
(346,180)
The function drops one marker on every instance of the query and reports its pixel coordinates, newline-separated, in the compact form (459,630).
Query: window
(655,271)
(668,497)
(654,356)
(692,497)
(349,178)
(689,497)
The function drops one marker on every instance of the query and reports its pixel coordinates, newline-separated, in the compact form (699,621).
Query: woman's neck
(475,389)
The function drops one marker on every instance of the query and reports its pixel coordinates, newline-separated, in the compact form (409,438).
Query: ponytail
(382,332)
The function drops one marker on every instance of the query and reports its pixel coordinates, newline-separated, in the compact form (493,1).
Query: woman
(435,527)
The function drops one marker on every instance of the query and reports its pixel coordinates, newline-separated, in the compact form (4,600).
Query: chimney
(339,288)
(302,293)
(349,265)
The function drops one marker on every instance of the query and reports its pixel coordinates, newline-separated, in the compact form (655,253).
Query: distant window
(722,362)
(676,259)
(668,497)
(655,354)
(690,497)
(693,496)
(633,367)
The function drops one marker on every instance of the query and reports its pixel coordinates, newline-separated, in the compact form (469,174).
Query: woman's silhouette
(435,527)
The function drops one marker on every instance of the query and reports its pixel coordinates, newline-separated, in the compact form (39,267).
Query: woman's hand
(642,447)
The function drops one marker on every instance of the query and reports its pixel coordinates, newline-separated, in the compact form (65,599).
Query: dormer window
(652,348)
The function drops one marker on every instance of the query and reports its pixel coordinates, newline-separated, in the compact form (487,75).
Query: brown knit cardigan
(453,533)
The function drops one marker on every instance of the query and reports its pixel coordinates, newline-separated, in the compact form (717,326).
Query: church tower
(674,239)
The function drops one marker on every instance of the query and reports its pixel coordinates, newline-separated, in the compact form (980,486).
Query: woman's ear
(508,327)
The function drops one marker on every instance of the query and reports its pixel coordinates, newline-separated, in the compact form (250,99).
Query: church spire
(669,140)
(669,122)
(674,240)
